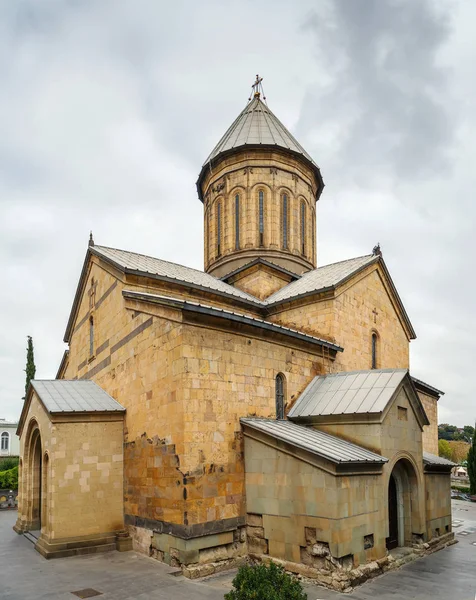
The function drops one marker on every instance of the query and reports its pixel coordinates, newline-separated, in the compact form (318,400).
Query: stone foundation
(338,574)
(195,556)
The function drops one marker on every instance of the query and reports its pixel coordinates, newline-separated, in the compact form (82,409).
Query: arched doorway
(31,482)
(403,505)
(36,464)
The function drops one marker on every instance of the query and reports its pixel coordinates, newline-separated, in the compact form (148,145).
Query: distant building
(9,441)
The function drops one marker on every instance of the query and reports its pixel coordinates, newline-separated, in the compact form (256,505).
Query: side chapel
(263,407)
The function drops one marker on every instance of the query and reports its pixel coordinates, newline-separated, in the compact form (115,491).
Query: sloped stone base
(344,578)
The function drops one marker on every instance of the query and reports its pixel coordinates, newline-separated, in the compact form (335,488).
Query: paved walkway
(448,574)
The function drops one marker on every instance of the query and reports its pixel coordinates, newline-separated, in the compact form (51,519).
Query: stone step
(78,551)
(29,537)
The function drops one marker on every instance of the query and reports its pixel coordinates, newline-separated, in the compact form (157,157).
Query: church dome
(259,189)
(256,126)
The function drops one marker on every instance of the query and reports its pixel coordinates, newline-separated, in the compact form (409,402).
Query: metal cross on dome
(257,88)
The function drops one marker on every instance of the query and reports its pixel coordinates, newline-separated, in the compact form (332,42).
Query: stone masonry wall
(438,504)
(84,475)
(349,320)
(430,432)
(293,505)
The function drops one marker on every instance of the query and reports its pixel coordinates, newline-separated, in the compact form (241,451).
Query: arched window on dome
(313,236)
(237,222)
(280,396)
(303,227)
(374,349)
(261,217)
(218,228)
(285,220)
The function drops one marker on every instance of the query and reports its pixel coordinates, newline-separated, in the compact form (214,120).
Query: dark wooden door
(392,540)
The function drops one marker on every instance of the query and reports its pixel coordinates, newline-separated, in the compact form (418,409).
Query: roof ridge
(345,260)
(157,258)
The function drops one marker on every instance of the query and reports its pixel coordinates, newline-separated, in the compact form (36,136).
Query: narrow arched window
(313,236)
(374,350)
(5,443)
(261,217)
(284,220)
(303,228)
(218,228)
(279,396)
(91,336)
(237,222)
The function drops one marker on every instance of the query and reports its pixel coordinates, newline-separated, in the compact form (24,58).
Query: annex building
(262,407)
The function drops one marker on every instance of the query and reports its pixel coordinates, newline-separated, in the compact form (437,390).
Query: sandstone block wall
(430,432)
(438,504)
(82,474)
(349,319)
(293,505)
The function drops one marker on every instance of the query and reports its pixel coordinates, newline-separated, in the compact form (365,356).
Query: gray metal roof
(432,459)
(171,271)
(61,395)
(230,315)
(322,444)
(348,393)
(322,278)
(257,125)
(421,384)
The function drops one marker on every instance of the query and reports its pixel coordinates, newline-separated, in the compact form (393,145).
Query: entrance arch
(403,504)
(32,474)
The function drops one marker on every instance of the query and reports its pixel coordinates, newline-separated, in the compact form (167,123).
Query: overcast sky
(109,107)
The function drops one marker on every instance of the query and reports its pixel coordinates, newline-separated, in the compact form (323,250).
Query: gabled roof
(322,444)
(322,278)
(133,262)
(353,393)
(264,262)
(65,396)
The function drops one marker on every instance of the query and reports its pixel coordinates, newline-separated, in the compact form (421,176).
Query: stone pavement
(448,574)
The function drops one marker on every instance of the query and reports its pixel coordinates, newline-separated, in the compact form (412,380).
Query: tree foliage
(30,363)
(9,479)
(265,582)
(444,449)
(472,466)
(459,451)
(451,432)
(8,462)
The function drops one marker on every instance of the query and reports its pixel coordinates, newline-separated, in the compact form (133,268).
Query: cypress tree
(472,465)
(30,363)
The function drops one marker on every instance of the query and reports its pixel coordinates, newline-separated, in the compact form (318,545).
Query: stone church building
(262,407)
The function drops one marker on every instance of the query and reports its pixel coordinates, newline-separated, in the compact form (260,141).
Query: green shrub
(460,488)
(265,582)
(9,479)
(8,462)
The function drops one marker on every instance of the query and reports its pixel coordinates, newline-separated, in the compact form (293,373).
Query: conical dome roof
(256,125)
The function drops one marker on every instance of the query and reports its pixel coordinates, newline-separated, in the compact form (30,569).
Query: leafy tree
(472,466)
(9,479)
(30,364)
(265,582)
(444,449)
(459,450)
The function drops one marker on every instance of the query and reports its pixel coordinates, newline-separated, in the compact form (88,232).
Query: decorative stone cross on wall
(92,293)
(375,313)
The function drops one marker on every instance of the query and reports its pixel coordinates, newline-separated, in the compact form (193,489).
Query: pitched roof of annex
(353,393)
(73,396)
(317,442)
